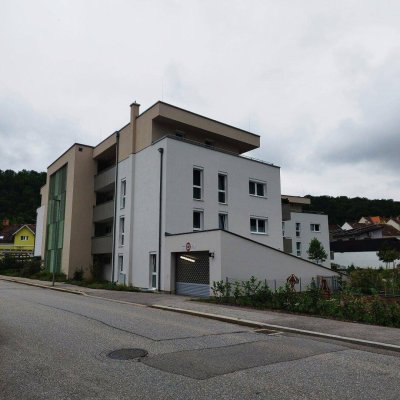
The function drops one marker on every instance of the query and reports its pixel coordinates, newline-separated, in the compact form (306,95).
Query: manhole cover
(127,354)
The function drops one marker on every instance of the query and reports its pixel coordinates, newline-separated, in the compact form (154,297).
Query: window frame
(257,231)
(298,249)
(225,190)
(123,194)
(199,187)
(121,231)
(313,226)
(24,238)
(120,263)
(201,227)
(225,215)
(257,184)
(298,229)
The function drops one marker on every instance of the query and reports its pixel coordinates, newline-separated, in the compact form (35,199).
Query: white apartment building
(167,203)
(299,228)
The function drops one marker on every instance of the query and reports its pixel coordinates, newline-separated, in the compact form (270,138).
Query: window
(121,231)
(315,227)
(257,188)
(197,183)
(298,249)
(223,221)
(24,238)
(258,225)
(123,193)
(283,228)
(298,229)
(222,179)
(120,263)
(153,271)
(197,220)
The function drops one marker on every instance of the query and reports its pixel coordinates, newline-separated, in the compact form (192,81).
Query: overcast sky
(319,81)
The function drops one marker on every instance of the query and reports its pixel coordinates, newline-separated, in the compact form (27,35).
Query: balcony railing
(103,211)
(102,245)
(105,179)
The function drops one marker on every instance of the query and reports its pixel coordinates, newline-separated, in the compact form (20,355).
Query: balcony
(103,212)
(105,180)
(102,245)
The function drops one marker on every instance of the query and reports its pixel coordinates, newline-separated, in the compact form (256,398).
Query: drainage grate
(127,354)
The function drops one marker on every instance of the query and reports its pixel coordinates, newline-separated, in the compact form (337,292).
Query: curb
(58,289)
(253,324)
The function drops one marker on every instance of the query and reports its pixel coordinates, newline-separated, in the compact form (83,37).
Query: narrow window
(298,249)
(223,221)
(197,220)
(153,271)
(298,229)
(283,228)
(258,189)
(197,183)
(120,263)
(258,225)
(222,185)
(24,238)
(121,231)
(123,193)
(315,227)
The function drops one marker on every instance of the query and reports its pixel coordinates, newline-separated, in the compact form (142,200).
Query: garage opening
(192,274)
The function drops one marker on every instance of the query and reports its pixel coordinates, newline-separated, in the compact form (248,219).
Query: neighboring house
(17,238)
(168,202)
(299,227)
(372,220)
(361,253)
(366,231)
(395,222)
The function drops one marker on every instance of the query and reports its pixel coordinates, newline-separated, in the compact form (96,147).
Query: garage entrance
(192,274)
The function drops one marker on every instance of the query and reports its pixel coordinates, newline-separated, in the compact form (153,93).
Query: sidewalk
(268,319)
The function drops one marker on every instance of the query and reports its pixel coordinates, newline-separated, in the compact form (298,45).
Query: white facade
(361,259)
(141,172)
(302,228)
(39,231)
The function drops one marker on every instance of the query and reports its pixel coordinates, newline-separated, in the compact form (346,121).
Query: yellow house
(19,237)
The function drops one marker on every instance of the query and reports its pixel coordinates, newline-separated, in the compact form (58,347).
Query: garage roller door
(192,274)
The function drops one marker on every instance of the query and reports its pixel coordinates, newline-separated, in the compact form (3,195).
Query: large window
(222,186)
(122,231)
(197,183)
(258,225)
(223,221)
(315,227)
(197,220)
(123,193)
(257,188)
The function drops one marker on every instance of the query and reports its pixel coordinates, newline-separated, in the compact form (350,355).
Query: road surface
(56,345)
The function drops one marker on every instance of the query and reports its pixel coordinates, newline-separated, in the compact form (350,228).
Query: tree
(388,254)
(316,251)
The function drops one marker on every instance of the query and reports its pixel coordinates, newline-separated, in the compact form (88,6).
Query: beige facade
(91,176)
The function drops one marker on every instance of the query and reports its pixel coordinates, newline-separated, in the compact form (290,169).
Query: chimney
(6,222)
(134,114)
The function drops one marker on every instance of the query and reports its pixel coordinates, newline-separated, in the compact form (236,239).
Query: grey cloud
(30,140)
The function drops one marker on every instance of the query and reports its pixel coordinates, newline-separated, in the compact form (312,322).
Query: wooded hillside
(20,195)
(342,208)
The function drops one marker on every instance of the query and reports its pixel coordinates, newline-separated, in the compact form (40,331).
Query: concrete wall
(242,258)
(362,259)
(306,235)
(39,231)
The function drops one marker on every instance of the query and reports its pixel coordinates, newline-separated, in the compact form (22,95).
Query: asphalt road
(55,346)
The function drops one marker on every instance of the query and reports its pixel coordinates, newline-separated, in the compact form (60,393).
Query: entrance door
(153,271)
(192,274)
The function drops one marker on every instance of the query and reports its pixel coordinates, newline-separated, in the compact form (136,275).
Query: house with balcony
(169,202)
